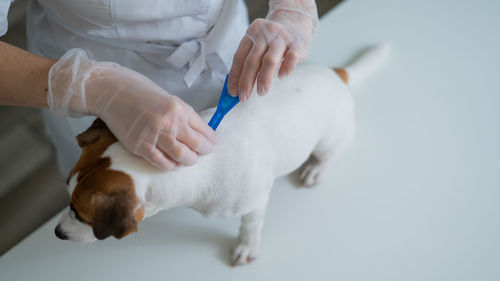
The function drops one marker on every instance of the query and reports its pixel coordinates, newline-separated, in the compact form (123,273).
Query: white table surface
(415,198)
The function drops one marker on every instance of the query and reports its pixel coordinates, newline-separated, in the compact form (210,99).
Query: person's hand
(146,119)
(283,38)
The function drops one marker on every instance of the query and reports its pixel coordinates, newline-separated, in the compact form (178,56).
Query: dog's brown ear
(92,134)
(113,215)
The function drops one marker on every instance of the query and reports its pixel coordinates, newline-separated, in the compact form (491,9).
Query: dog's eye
(72,212)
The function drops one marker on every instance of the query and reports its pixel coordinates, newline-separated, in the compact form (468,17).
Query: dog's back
(310,112)
(283,127)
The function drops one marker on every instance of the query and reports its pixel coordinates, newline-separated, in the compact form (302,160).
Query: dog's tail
(364,65)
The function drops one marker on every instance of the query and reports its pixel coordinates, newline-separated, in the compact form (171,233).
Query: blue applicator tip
(226,103)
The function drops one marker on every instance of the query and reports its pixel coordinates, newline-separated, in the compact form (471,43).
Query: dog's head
(103,201)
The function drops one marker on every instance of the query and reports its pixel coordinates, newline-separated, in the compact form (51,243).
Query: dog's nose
(60,234)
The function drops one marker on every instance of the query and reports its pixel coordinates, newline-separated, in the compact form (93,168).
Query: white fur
(75,230)
(308,113)
(260,140)
(72,183)
(267,137)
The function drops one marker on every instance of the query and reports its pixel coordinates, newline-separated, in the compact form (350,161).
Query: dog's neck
(160,190)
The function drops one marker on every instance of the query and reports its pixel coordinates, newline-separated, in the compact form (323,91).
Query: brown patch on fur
(139,214)
(103,198)
(342,73)
(94,141)
(113,214)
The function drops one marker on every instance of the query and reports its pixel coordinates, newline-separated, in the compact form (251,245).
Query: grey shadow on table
(176,229)
(178,233)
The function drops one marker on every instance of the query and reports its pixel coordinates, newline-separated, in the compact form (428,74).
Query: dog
(306,119)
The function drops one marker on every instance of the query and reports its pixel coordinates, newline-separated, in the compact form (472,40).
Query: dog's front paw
(244,254)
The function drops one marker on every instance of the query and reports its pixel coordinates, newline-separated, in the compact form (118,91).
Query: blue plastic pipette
(226,103)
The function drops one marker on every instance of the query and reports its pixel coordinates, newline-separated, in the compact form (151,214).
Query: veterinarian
(146,67)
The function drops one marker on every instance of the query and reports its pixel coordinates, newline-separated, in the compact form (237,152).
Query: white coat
(186,47)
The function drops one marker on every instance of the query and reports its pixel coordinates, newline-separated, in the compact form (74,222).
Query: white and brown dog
(308,115)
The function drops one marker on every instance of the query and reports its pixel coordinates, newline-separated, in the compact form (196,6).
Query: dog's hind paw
(244,254)
(310,172)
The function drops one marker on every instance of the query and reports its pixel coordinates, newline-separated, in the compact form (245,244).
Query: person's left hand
(282,38)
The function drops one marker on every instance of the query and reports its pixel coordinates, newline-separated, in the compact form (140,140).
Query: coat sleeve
(4,10)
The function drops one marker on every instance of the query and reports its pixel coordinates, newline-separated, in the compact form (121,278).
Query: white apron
(186,47)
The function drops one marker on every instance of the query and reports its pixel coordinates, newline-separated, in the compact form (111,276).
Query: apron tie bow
(192,53)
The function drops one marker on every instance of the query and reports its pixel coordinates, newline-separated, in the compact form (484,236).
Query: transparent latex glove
(146,119)
(281,40)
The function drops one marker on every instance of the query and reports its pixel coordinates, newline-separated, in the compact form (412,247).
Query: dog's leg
(311,171)
(248,246)
(323,154)
(327,150)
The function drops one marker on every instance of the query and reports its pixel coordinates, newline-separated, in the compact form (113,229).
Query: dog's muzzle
(59,233)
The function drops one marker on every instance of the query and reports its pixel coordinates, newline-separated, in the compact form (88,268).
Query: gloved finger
(251,69)
(154,156)
(176,150)
(195,141)
(196,123)
(291,59)
(270,63)
(238,62)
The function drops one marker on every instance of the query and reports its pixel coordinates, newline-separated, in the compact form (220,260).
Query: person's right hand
(146,119)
